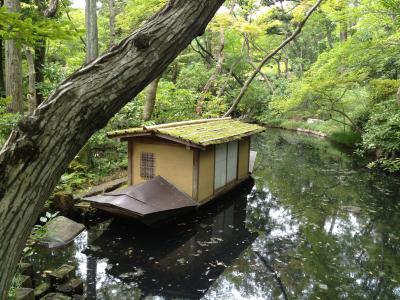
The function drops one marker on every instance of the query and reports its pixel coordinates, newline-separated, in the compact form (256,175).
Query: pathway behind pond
(315,224)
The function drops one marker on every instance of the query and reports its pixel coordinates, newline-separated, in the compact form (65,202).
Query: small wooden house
(202,158)
(179,166)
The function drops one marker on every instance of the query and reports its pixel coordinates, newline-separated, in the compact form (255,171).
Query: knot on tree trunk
(25,151)
(29,126)
(141,41)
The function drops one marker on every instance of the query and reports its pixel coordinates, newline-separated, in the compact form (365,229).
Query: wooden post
(196,169)
(130,162)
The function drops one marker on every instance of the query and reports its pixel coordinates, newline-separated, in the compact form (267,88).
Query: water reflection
(316,225)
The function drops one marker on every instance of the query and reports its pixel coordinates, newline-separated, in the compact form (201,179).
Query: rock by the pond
(42,289)
(60,231)
(24,294)
(26,269)
(64,202)
(62,274)
(26,281)
(55,296)
(71,287)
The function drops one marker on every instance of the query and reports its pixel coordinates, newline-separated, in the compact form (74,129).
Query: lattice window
(147,165)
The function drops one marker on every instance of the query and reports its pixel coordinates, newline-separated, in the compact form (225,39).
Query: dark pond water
(314,224)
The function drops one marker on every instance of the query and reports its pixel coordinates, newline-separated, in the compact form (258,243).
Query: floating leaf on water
(323,286)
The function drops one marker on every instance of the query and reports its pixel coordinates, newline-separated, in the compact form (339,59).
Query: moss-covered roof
(199,132)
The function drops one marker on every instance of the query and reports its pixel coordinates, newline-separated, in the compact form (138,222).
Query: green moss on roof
(204,133)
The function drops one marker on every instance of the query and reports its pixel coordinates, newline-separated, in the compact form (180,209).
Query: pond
(313,224)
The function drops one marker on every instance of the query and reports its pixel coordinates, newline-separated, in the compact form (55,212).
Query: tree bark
(222,89)
(2,85)
(213,77)
(268,57)
(111,8)
(150,99)
(92,39)
(398,95)
(31,80)
(40,47)
(40,57)
(38,152)
(13,67)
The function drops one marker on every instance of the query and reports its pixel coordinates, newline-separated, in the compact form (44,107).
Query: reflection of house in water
(182,262)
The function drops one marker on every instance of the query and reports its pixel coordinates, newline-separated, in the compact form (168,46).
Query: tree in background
(92,39)
(13,66)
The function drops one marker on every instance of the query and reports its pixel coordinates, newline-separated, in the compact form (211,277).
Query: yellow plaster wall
(206,173)
(173,162)
(243,167)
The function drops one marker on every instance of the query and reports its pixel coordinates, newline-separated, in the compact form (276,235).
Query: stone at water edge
(55,296)
(42,289)
(71,287)
(64,202)
(62,274)
(60,231)
(26,281)
(26,269)
(24,294)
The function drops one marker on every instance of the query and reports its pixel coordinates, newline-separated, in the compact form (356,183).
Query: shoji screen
(220,166)
(232,161)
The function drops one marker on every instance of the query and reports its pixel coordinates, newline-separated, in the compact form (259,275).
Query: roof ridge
(191,122)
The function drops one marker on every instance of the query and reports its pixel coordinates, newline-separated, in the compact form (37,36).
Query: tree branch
(268,57)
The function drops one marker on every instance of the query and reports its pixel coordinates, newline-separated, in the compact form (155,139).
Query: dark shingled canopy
(149,202)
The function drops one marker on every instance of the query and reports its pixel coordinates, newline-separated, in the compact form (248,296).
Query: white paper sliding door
(220,166)
(232,161)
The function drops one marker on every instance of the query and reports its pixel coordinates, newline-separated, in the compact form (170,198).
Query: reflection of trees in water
(327,230)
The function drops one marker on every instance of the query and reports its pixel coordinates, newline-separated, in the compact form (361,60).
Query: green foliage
(31,28)
(381,89)
(7,120)
(347,138)
(382,135)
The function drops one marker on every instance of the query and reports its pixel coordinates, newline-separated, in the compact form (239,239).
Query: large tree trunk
(150,99)
(92,39)
(111,8)
(39,151)
(31,80)
(13,67)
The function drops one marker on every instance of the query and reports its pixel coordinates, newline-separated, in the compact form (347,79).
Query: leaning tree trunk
(38,152)
(150,99)
(13,67)
(92,39)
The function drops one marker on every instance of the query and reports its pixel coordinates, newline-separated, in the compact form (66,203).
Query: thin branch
(276,276)
(268,57)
